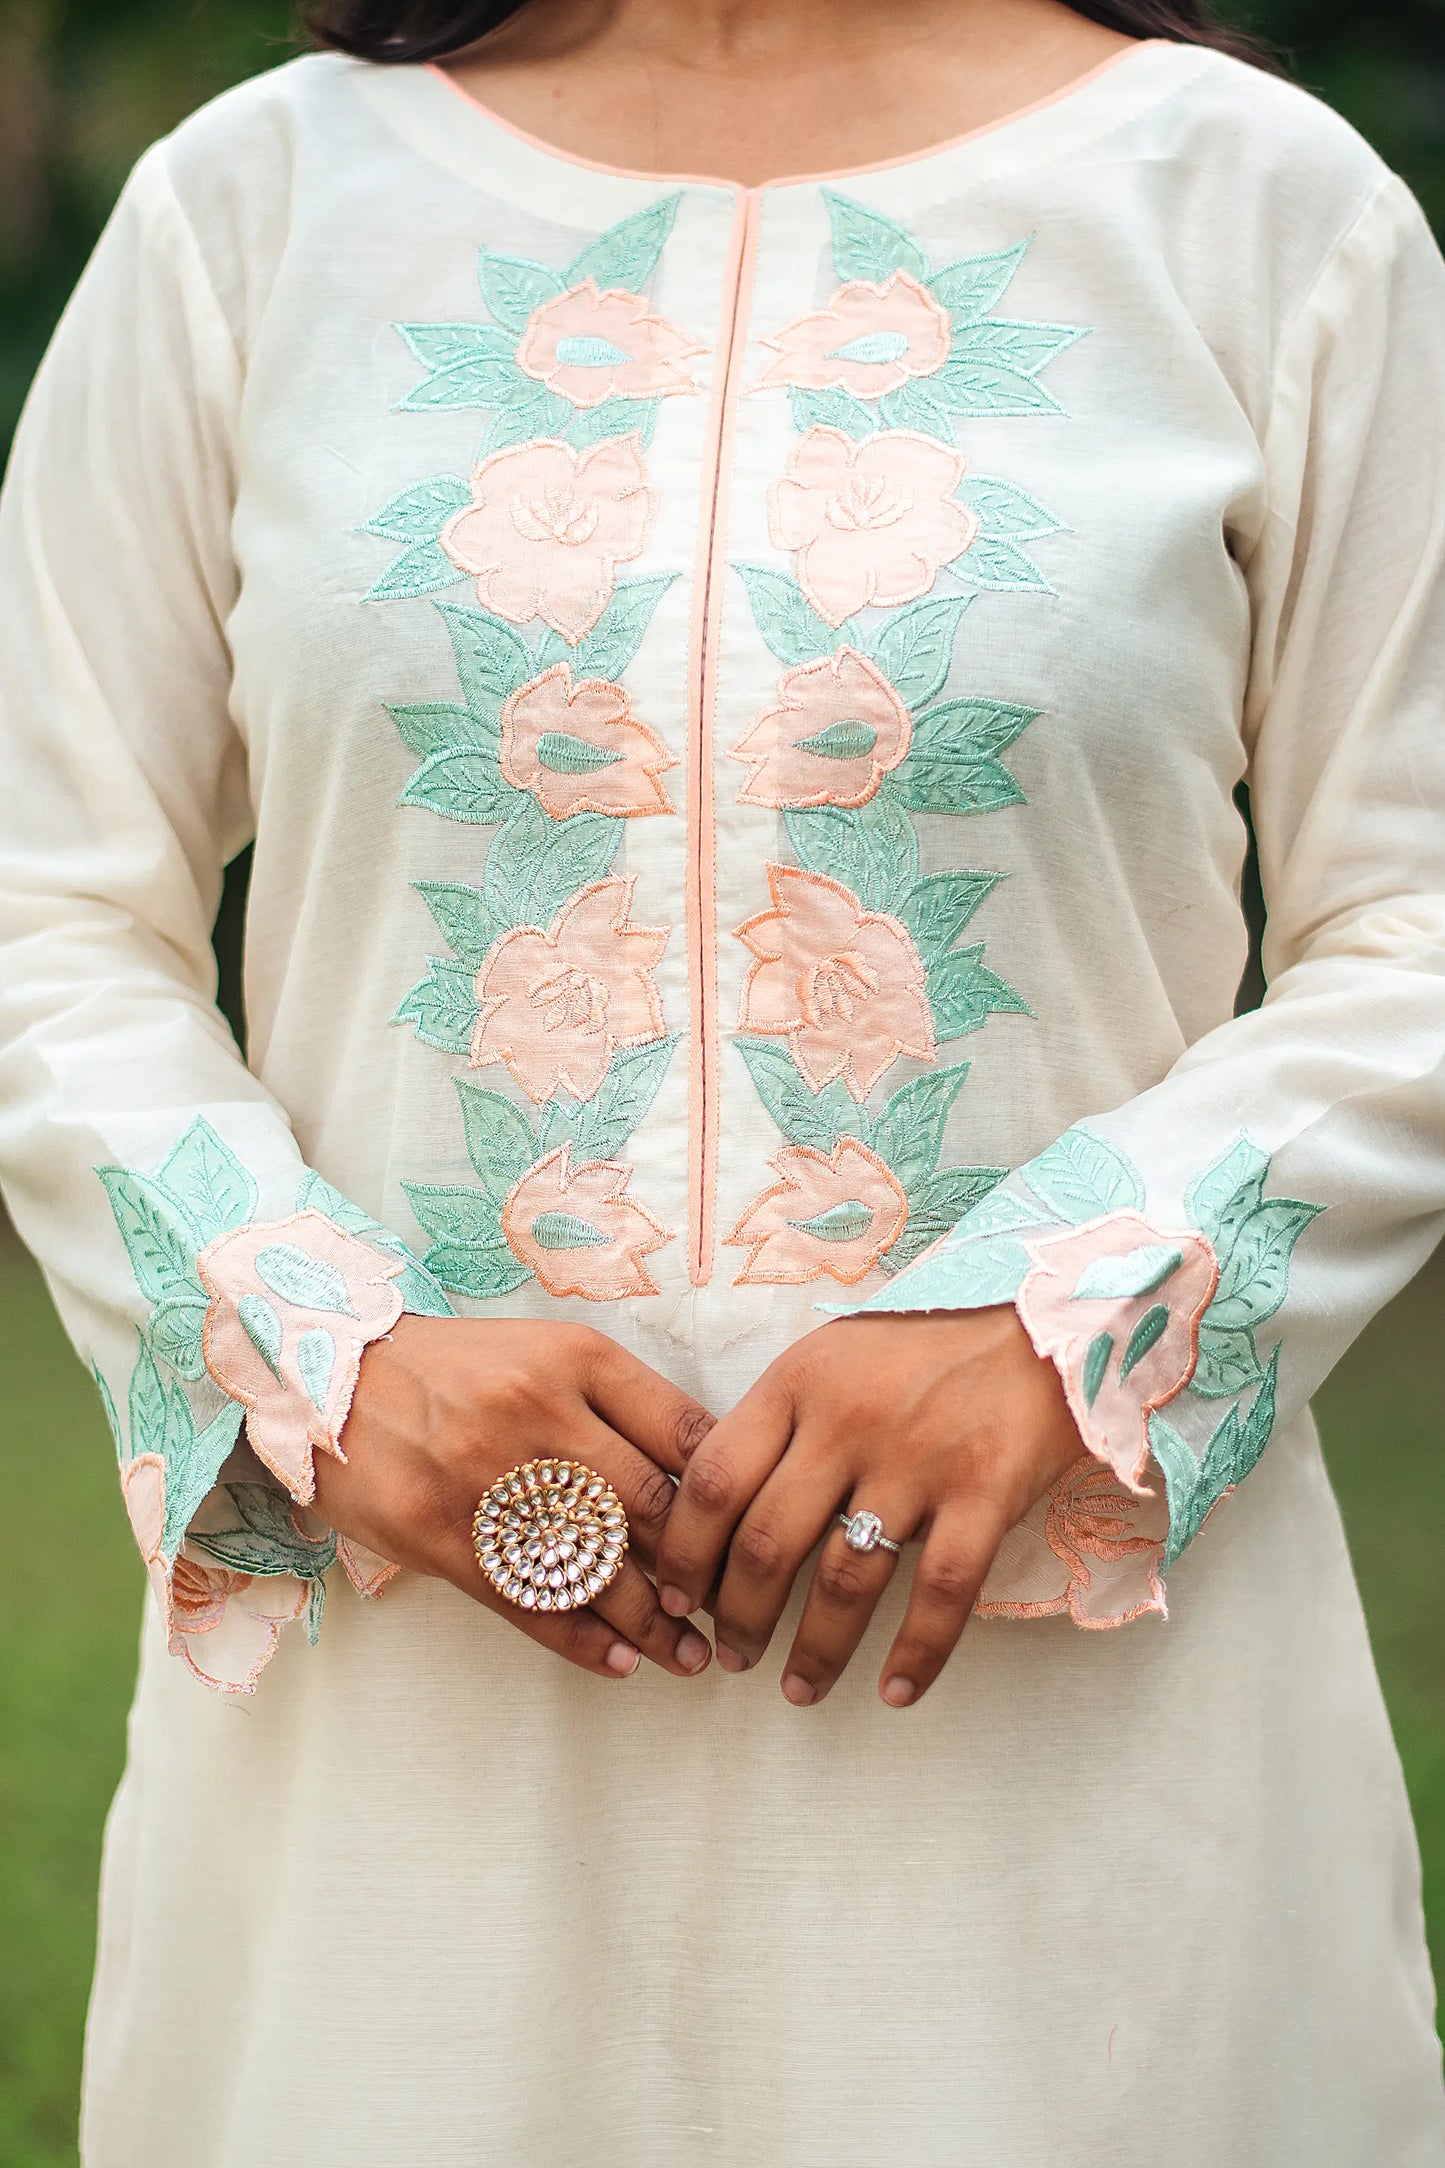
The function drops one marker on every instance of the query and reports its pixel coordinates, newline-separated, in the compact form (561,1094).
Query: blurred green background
(84,85)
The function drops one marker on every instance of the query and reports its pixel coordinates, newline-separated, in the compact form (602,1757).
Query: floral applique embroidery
(892,535)
(1090,1548)
(590,347)
(580,749)
(833,1214)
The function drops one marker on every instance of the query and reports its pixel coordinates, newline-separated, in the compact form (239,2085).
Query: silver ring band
(864,1532)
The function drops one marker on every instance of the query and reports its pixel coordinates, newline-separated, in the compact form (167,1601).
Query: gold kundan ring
(550,1535)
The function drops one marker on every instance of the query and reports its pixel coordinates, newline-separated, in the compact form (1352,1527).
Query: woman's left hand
(946,1425)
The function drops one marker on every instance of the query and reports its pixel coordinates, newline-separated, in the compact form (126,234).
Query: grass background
(84,85)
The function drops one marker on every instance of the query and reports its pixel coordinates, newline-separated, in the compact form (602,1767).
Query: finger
(647,1492)
(579,1637)
(950,1572)
(786,1520)
(846,1587)
(661,1420)
(630,1604)
(718,1484)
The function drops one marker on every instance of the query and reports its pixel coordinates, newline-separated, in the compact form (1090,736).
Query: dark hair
(429,29)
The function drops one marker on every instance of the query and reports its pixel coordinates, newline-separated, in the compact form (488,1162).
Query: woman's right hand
(443,1406)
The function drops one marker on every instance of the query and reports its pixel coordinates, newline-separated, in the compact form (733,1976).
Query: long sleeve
(1196,1261)
(221,1290)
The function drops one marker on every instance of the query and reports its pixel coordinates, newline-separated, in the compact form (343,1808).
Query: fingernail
(899,1692)
(730,1659)
(623,1659)
(798,1691)
(692,1651)
(673,1601)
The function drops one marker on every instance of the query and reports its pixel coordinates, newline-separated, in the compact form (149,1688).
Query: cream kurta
(738,713)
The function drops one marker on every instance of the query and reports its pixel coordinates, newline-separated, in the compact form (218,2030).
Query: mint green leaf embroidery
(107,1401)
(1228,1362)
(420,571)
(613,418)
(1124,1279)
(978,390)
(969,288)
(316,1363)
(159,1235)
(492,661)
(536,863)
(871,346)
(914,648)
(1004,511)
(204,1175)
(938,907)
(471,365)
(608,649)
(1007,1212)
(266,1542)
(872,849)
(315,1606)
(513,286)
(960,1275)
(958,729)
(1096,1365)
(458,1217)
(148,1406)
(936,1207)
(465,917)
(1151,1327)
(999,566)
(1081,1178)
(484,1274)
(564,1231)
(175,1336)
(463,785)
(908,1133)
(626,254)
(841,1222)
(599,1127)
(831,410)
(963,993)
(543,415)
(1220,1200)
(971,784)
(263,1328)
(453,346)
(1254,1277)
(590,353)
(442,1007)
(868,246)
(307,1282)
(193,1461)
(914,406)
(500,1141)
(422,1297)
(818,1119)
(1195,1487)
(1024,347)
(784,616)
(420,513)
(444,726)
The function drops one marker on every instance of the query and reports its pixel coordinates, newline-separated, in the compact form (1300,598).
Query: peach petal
(818,704)
(566,343)
(871,523)
(803,1228)
(580,1232)
(549,719)
(895,330)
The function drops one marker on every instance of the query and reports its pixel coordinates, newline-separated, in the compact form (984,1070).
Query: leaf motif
(868,246)
(1096,1365)
(454,346)
(420,570)
(818,1119)
(267,1542)
(784,616)
(1004,511)
(966,1276)
(492,660)
(562,754)
(1196,1487)
(914,647)
(484,1274)
(513,286)
(308,1283)
(908,1133)
(465,918)
(608,649)
(1081,1178)
(613,418)
(626,254)
(422,1297)
(978,390)
(175,1336)
(500,1141)
(442,1008)
(830,410)
(972,784)
(963,993)
(973,285)
(158,1233)
(938,907)
(1220,1200)
(441,726)
(420,513)
(842,1222)
(962,728)
(193,1463)
(999,566)
(565,1231)
(840,741)
(204,1176)
(462,785)
(148,1408)
(470,365)
(420,1294)
(316,1364)
(1151,1327)
(1124,1279)
(914,406)
(1024,347)
(1006,1212)
(1254,1276)
(1228,1362)
(601,1126)
(461,1218)
(543,415)
(872,849)
(567,855)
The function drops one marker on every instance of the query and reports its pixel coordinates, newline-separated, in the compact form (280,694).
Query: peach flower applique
(592,346)
(556,1006)
(869,340)
(579,1231)
(225,1625)
(548,526)
(293,1305)
(1090,1548)
(870,523)
(844,985)
(1116,1304)
(580,749)
(831,1214)
(836,731)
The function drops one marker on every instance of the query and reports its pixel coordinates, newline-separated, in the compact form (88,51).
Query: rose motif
(592,346)
(1091,1549)
(836,731)
(580,749)
(548,526)
(871,523)
(579,1231)
(868,340)
(1116,1305)
(829,1214)
(845,986)
(556,1006)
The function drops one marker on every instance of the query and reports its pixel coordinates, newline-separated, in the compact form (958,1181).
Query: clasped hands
(946,1425)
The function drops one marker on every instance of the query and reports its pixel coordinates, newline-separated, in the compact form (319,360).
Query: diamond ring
(864,1532)
(550,1535)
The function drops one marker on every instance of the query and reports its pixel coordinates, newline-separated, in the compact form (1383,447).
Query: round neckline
(1065,94)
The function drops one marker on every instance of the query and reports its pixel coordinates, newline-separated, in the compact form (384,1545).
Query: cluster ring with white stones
(550,1535)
